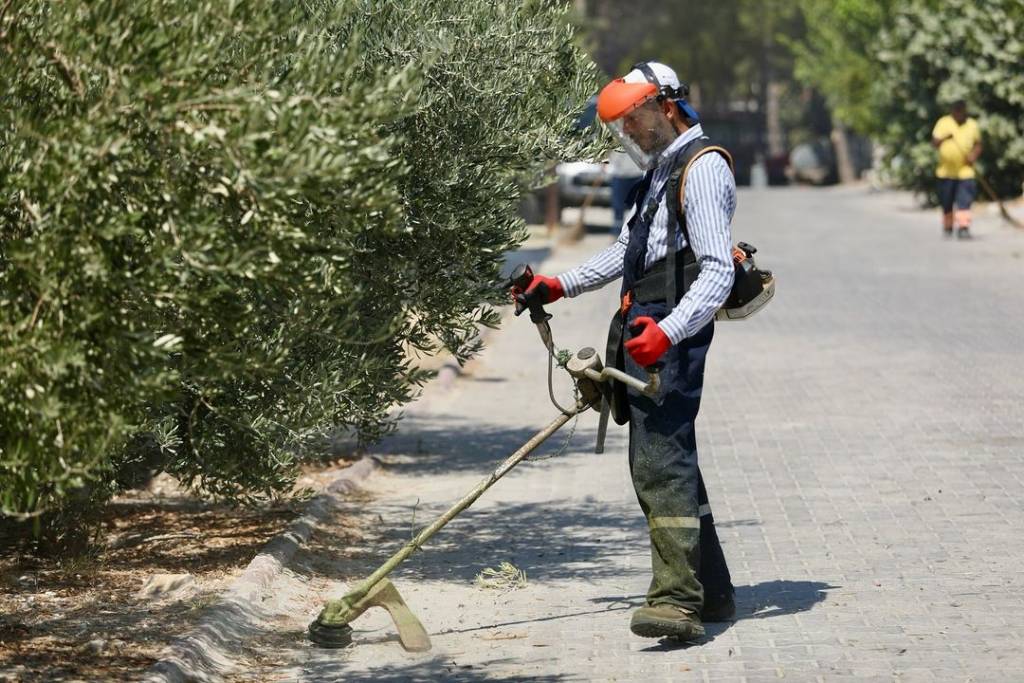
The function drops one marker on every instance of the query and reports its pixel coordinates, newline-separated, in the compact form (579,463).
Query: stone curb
(205,654)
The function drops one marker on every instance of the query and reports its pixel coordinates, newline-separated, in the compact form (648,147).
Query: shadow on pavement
(761,601)
(777,598)
(557,540)
(331,669)
(522,622)
(449,444)
(531,256)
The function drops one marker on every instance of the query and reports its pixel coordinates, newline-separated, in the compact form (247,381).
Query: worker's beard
(650,137)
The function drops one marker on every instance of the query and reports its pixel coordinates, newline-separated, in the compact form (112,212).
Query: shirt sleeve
(600,269)
(709,203)
(940,129)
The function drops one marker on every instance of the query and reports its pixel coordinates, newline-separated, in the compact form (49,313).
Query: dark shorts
(959,192)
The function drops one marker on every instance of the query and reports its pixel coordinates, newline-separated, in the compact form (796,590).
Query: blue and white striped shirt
(709,204)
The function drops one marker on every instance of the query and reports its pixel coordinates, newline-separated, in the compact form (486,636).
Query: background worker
(648,112)
(958,140)
(625,174)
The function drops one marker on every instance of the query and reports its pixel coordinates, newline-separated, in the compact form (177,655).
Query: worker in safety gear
(674,255)
(958,140)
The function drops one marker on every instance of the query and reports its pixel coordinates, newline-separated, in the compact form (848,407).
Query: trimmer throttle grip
(521,277)
(520,280)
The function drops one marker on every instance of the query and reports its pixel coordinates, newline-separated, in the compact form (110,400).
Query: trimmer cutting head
(333,637)
(331,629)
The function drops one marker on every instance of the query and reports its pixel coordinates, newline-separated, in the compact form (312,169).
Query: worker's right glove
(547,289)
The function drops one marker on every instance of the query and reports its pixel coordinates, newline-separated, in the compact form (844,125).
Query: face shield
(633,113)
(644,134)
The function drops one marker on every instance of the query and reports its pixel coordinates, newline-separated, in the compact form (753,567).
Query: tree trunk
(841,145)
(773,121)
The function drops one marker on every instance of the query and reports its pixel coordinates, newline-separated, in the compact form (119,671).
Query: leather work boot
(722,608)
(666,621)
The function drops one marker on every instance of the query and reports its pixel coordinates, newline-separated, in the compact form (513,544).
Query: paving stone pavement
(863,443)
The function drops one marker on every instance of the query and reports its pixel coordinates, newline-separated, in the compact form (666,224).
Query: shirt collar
(691,134)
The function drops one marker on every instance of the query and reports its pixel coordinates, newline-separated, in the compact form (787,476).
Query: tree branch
(3,15)
(68,74)
(35,312)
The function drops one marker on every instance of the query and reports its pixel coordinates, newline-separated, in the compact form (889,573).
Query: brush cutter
(332,627)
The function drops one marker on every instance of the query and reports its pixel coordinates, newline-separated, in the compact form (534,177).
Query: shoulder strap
(676,206)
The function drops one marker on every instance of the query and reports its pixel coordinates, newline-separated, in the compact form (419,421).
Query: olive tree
(227,228)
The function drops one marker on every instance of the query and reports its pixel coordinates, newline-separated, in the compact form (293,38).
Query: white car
(578,180)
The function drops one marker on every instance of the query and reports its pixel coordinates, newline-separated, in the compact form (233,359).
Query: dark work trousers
(688,565)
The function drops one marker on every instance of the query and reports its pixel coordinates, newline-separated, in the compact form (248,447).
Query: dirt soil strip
(207,653)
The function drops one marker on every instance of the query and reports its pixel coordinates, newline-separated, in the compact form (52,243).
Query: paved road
(863,442)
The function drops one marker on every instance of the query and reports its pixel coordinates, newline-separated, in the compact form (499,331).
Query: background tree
(229,228)
(732,53)
(889,70)
(838,55)
(934,53)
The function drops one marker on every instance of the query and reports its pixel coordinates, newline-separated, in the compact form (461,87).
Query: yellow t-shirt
(953,152)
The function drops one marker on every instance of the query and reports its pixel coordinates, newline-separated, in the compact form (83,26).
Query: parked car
(578,180)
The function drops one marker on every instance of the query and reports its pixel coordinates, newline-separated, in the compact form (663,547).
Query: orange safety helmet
(618,98)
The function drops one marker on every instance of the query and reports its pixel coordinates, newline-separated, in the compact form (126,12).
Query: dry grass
(507,577)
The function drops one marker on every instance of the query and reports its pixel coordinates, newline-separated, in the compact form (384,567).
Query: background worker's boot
(666,621)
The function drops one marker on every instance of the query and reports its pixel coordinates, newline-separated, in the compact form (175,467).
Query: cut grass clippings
(507,577)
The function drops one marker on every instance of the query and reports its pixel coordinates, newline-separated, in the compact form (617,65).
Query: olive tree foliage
(227,228)
(936,52)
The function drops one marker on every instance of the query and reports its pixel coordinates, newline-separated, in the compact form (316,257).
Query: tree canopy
(227,228)
(890,70)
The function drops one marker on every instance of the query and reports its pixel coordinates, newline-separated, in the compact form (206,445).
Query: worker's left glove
(649,343)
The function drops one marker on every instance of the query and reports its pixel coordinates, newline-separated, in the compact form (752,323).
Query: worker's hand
(649,343)
(547,289)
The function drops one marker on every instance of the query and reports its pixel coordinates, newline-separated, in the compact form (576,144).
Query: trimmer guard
(751,307)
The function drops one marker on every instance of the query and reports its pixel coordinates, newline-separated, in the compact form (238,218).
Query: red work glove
(647,345)
(549,289)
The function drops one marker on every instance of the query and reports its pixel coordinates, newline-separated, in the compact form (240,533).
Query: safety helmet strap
(667,92)
(664,91)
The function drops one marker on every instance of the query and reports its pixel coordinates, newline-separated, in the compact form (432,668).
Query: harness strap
(677,204)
